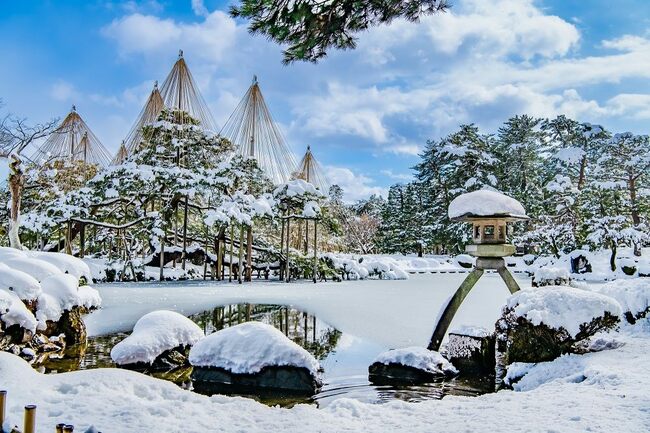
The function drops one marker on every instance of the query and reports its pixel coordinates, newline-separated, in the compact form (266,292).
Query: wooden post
(3,407)
(59,427)
(29,425)
(68,238)
(452,307)
(217,265)
(185,216)
(68,429)
(315,249)
(287,273)
(249,254)
(82,240)
(162,257)
(281,251)
(232,242)
(240,258)
(306,237)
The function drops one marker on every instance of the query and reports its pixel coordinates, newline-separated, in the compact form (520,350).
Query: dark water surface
(344,358)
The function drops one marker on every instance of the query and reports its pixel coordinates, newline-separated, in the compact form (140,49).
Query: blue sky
(366,113)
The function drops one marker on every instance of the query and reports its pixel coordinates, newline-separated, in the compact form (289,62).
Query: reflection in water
(344,358)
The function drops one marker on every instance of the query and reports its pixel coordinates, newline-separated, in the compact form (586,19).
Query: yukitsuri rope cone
(311,171)
(254,133)
(73,140)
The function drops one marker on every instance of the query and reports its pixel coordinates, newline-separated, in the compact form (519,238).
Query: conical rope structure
(73,140)
(254,133)
(311,171)
(148,115)
(180,92)
(121,155)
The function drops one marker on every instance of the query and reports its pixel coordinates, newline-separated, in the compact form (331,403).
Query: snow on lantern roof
(485,203)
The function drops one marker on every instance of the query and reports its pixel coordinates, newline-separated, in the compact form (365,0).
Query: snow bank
(154,334)
(248,348)
(561,307)
(362,267)
(417,357)
(14,312)
(632,295)
(485,203)
(22,284)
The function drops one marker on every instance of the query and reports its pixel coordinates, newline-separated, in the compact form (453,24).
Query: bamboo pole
(240,258)
(29,424)
(249,254)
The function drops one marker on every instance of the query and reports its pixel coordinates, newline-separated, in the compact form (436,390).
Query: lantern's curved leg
(452,307)
(507,278)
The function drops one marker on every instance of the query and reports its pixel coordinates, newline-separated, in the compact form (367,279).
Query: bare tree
(15,136)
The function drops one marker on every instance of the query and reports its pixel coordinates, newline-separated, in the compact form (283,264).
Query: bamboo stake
(240,258)
(29,425)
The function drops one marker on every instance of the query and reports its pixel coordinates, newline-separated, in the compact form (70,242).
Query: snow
(89,297)
(472,331)
(551,273)
(63,288)
(37,268)
(598,392)
(561,307)
(23,285)
(248,348)
(65,262)
(485,203)
(14,312)
(153,334)
(418,357)
(392,313)
(632,295)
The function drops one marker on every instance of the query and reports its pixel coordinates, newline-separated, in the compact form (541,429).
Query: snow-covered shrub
(154,334)
(541,324)
(627,265)
(551,276)
(465,261)
(632,295)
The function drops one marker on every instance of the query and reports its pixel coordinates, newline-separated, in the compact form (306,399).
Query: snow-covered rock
(551,276)
(64,288)
(419,358)
(22,284)
(153,334)
(250,347)
(14,312)
(485,203)
(89,297)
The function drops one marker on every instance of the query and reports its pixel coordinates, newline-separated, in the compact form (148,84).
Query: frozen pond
(345,325)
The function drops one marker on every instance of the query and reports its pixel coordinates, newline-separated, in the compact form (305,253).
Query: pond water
(344,358)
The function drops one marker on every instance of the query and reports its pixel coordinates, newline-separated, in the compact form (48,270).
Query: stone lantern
(489,212)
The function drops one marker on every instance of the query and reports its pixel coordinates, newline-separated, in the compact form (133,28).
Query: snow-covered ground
(599,392)
(393,313)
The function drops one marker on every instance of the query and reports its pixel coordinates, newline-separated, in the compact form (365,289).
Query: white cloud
(355,186)
(63,91)
(397,176)
(199,8)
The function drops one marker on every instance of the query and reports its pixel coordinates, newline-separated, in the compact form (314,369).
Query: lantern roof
(485,204)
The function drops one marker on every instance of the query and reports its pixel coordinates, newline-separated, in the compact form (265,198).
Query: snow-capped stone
(14,312)
(22,284)
(64,288)
(551,276)
(419,358)
(485,203)
(250,347)
(153,334)
(561,307)
(37,268)
(89,297)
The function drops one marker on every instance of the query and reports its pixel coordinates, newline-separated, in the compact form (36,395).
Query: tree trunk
(612,259)
(287,275)
(240,258)
(249,254)
(16,185)
(185,215)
